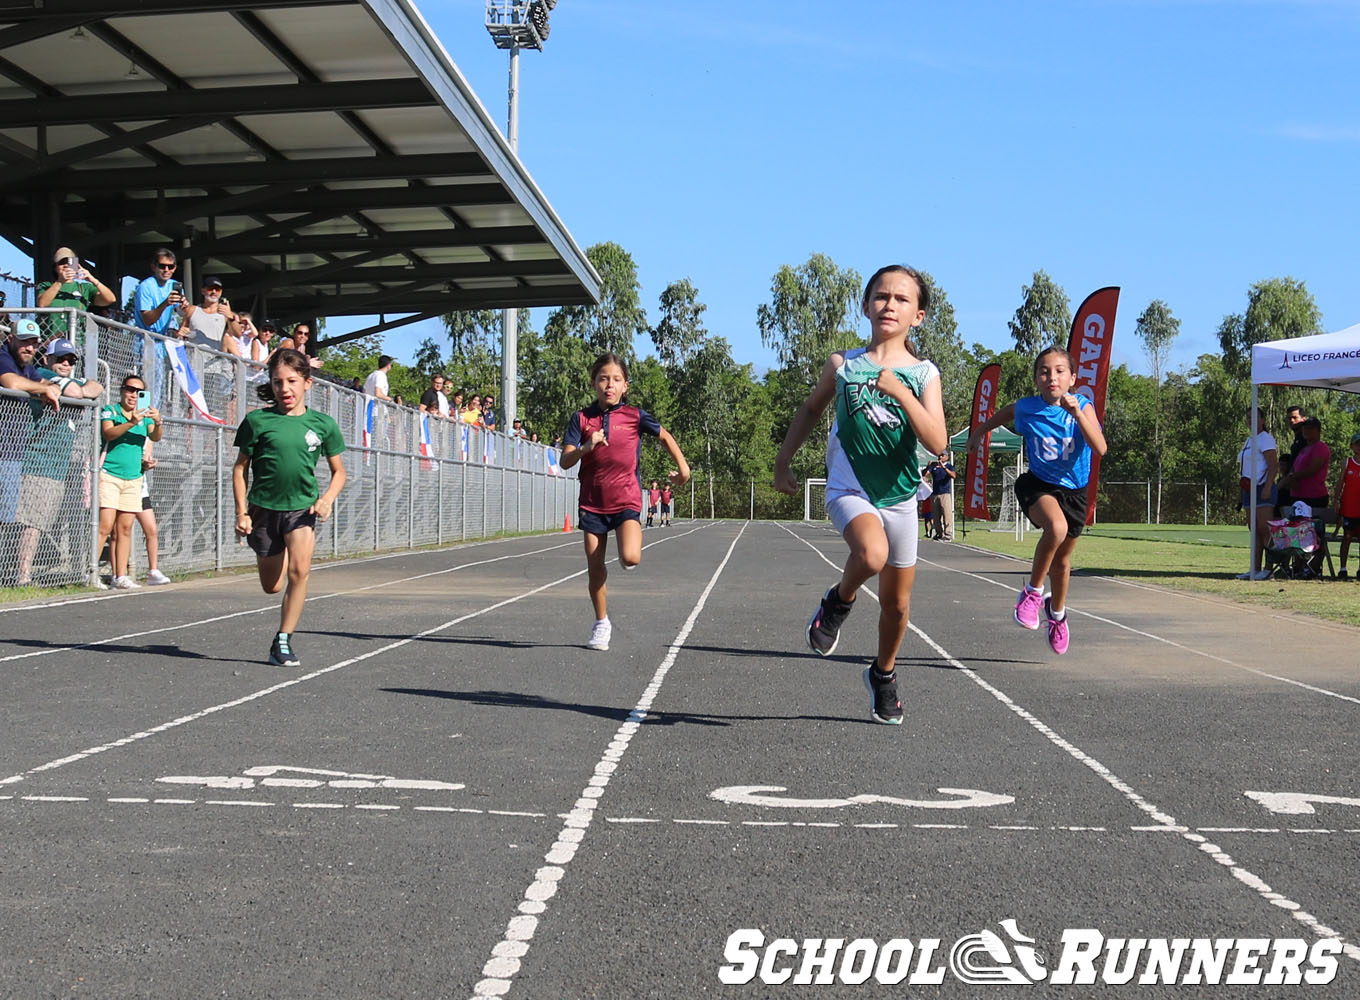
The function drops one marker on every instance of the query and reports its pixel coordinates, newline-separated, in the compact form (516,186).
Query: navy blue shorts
(602,524)
(268,528)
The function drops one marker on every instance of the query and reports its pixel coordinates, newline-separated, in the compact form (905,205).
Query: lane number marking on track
(269,777)
(1297,803)
(960,798)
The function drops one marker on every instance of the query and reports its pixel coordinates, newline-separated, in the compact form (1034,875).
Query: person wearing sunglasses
(159,300)
(125,427)
(49,452)
(159,295)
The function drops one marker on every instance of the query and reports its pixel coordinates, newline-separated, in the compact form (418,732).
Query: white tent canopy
(1324,361)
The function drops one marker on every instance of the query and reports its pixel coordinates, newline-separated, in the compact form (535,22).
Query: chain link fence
(414,479)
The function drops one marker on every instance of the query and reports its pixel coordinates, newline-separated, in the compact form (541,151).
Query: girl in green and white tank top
(887,400)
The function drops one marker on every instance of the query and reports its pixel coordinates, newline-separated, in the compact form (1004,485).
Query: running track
(454,798)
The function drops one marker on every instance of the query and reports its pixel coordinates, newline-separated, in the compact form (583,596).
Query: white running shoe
(156,579)
(600,634)
(125,583)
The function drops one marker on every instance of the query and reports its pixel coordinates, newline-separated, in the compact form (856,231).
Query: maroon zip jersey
(611,478)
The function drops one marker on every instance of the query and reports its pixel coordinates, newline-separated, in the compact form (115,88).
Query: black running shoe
(884,705)
(281,652)
(824,628)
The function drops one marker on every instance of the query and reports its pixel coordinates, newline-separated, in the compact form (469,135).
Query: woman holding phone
(125,427)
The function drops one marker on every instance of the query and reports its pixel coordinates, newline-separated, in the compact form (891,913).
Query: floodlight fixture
(518,24)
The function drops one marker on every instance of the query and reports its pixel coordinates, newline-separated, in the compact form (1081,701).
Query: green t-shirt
(51,444)
(123,456)
(283,454)
(872,447)
(73,295)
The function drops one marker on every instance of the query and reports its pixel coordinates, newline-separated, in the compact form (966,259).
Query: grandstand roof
(324,157)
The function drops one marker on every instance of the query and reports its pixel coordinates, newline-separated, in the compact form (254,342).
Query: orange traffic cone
(566,523)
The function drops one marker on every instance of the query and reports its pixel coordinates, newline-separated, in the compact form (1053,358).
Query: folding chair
(1295,548)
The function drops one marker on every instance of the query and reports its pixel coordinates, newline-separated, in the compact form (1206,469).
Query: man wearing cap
(49,454)
(20,374)
(215,326)
(74,287)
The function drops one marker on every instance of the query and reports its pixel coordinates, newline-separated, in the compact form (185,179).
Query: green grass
(1191,558)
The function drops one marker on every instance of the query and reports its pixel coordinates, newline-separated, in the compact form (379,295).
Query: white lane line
(500,970)
(238,802)
(195,716)
(1242,875)
(283,685)
(274,607)
(1158,638)
(316,568)
(683,821)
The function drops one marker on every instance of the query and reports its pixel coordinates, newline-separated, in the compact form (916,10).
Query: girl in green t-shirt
(887,400)
(280,446)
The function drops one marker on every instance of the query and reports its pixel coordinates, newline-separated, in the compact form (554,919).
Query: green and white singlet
(872,449)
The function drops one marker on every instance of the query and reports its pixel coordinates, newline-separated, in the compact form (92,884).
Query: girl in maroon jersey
(606,438)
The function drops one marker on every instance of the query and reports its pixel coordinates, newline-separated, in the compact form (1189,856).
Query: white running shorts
(900,522)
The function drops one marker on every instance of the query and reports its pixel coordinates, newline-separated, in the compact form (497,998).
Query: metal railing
(414,479)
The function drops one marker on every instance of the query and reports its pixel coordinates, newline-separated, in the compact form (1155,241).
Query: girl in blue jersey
(887,399)
(1060,431)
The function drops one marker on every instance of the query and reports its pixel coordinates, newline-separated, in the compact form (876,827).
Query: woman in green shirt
(125,427)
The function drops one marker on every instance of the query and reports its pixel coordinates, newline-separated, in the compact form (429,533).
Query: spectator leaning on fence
(50,452)
(74,287)
(489,420)
(301,340)
(263,345)
(214,326)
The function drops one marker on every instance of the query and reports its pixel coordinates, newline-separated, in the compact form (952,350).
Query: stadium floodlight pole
(513,25)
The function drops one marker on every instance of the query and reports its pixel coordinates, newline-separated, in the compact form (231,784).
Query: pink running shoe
(1027,608)
(1057,630)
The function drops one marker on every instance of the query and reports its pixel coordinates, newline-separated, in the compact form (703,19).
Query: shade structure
(322,157)
(1004,441)
(1324,361)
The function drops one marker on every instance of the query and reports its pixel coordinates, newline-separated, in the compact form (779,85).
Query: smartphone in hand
(143,400)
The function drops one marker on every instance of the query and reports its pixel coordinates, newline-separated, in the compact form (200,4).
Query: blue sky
(1181,149)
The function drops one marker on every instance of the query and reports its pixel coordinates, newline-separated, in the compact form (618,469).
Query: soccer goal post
(814,500)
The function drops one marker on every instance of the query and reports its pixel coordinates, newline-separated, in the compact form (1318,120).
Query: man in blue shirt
(158,303)
(942,480)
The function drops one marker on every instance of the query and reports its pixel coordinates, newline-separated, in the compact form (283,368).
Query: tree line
(1185,425)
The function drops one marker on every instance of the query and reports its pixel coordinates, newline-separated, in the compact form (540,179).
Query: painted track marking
(293,681)
(504,964)
(1242,875)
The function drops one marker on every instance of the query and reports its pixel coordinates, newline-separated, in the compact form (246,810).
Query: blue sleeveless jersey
(1057,450)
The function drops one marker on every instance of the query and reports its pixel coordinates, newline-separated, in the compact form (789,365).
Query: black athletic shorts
(268,528)
(602,524)
(1029,488)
